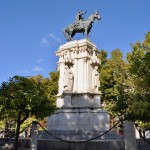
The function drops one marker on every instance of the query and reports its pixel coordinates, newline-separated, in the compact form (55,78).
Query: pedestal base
(80,116)
(78,100)
(79,119)
(78,123)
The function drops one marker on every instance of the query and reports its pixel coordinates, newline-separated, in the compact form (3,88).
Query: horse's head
(96,16)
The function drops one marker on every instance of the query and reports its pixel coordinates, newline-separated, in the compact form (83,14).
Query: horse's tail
(65,33)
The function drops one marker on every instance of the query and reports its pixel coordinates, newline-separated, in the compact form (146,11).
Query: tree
(139,68)
(52,86)
(113,77)
(125,85)
(22,97)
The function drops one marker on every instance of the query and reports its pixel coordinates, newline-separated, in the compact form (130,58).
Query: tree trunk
(6,129)
(19,122)
(17,131)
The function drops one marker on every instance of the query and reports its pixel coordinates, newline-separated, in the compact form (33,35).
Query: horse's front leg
(69,38)
(87,33)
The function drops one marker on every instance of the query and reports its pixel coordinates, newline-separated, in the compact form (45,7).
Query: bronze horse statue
(83,26)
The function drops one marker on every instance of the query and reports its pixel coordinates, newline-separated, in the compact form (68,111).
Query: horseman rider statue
(80,25)
(79,18)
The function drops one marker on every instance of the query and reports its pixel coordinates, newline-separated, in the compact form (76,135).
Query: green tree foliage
(113,77)
(22,97)
(52,86)
(139,68)
(1,125)
(125,85)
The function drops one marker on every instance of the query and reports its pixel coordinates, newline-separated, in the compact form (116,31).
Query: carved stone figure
(95,81)
(68,79)
(80,25)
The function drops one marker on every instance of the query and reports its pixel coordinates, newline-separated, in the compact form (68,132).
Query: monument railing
(8,141)
(80,141)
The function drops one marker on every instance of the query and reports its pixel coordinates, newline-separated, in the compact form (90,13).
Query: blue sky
(31,30)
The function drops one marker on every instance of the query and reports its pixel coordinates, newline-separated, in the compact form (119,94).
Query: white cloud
(40,60)
(23,72)
(54,37)
(37,69)
(50,39)
(44,42)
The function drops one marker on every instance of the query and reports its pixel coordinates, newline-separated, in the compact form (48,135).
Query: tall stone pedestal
(80,114)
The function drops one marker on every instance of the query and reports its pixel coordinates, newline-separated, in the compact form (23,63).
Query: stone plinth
(77,119)
(78,98)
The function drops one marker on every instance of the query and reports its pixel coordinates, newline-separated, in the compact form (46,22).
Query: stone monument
(80,115)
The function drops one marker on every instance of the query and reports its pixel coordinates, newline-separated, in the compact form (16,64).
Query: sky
(31,30)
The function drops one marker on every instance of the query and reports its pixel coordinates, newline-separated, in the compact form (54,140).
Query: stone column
(129,135)
(34,133)
(76,75)
(61,71)
(85,75)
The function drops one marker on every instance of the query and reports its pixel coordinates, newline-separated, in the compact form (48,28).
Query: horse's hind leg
(65,34)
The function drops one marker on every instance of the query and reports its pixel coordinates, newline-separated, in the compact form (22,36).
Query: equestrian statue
(81,25)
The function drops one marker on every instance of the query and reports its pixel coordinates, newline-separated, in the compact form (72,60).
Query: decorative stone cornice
(94,61)
(68,61)
(77,46)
